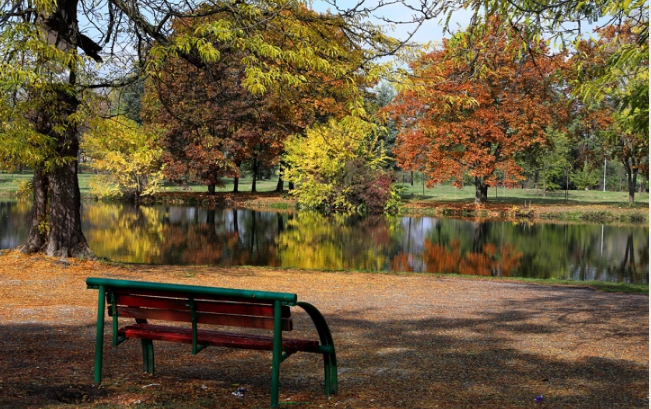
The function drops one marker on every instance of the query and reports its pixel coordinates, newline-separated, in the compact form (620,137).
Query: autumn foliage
(339,166)
(240,105)
(477,103)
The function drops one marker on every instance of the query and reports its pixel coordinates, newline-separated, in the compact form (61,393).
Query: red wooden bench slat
(178,295)
(222,339)
(201,306)
(203,318)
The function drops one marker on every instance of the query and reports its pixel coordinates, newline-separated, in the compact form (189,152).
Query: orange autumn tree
(476,105)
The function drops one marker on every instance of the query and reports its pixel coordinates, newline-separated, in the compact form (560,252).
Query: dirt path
(403,342)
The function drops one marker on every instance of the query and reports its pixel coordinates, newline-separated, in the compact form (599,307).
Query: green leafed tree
(615,74)
(40,112)
(585,178)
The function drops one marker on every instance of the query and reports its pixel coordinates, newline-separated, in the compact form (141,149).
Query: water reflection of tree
(143,234)
(311,240)
(125,233)
(491,260)
(185,235)
(14,223)
(241,239)
(459,247)
(628,269)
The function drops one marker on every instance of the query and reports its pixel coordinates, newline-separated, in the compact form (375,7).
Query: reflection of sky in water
(189,235)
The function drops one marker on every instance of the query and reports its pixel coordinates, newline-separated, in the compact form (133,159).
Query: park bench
(202,306)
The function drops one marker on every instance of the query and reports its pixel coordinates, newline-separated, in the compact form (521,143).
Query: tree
(42,39)
(625,129)
(475,111)
(41,111)
(554,161)
(127,157)
(564,23)
(384,95)
(585,178)
(631,148)
(338,166)
(201,109)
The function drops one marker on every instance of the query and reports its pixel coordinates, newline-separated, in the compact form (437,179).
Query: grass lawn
(9,183)
(447,192)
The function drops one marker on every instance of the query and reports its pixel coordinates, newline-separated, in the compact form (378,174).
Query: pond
(226,237)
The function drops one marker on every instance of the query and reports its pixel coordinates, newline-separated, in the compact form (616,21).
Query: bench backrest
(175,306)
(201,305)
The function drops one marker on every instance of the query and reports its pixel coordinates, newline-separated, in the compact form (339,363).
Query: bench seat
(215,338)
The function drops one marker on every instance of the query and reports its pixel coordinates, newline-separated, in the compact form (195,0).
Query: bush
(368,190)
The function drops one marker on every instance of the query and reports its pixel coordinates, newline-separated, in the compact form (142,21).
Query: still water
(191,235)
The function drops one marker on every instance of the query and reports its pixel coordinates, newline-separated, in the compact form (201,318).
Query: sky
(431,30)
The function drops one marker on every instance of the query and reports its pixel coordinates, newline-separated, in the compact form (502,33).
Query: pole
(605,163)
(567,182)
(505,183)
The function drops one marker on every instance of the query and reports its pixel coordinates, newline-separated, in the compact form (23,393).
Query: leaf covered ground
(403,341)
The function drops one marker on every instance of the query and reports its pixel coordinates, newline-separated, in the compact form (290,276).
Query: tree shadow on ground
(406,356)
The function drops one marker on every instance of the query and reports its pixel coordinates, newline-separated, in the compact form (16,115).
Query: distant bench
(208,305)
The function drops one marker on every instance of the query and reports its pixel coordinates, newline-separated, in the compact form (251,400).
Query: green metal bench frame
(326,347)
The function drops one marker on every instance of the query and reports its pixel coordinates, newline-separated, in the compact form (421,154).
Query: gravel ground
(403,341)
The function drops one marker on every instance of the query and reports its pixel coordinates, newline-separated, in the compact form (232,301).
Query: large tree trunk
(236,184)
(38,230)
(211,189)
(58,190)
(66,238)
(481,191)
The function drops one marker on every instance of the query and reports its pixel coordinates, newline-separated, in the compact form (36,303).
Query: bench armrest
(327,347)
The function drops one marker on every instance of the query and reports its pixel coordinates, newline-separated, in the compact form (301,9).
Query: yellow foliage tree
(338,166)
(126,157)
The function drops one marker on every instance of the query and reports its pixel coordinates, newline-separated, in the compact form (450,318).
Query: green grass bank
(440,201)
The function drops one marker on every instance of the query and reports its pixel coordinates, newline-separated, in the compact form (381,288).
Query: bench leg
(99,340)
(330,369)
(148,356)
(277,355)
